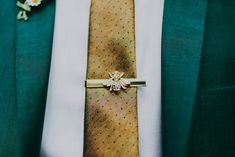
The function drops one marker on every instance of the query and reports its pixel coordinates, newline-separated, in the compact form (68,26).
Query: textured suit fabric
(182,39)
(198,79)
(8,114)
(25,51)
(213,126)
(33,50)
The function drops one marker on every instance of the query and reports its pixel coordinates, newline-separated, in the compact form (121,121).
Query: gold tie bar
(115,83)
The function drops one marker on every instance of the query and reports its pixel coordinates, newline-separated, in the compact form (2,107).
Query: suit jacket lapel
(33,56)
(8,108)
(183,27)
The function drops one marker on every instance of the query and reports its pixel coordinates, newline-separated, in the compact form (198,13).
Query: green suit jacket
(198,78)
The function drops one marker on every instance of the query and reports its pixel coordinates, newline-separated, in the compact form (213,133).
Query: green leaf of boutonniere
(26,6)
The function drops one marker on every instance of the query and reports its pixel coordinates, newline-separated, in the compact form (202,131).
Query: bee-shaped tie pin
(115,83)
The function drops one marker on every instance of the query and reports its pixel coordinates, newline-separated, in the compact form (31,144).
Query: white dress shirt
(64,118)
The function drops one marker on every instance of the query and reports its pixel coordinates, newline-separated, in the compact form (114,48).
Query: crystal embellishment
(116,83)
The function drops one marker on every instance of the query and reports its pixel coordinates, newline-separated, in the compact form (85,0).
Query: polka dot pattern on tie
(111,128)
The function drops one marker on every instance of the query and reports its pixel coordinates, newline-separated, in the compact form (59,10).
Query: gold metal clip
(115,83)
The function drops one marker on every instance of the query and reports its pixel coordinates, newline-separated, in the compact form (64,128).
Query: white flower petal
(33,2)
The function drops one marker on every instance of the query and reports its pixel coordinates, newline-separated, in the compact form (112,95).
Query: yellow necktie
(111,128)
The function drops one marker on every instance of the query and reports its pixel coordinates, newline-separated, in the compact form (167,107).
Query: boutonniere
(25,7)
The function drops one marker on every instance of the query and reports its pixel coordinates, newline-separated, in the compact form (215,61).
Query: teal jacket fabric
(198,78)
(25,53)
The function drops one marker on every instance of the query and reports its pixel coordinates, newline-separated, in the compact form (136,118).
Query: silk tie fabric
(111,128)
